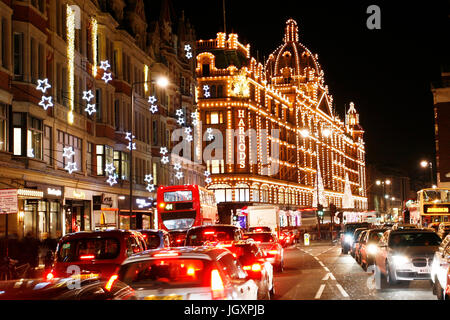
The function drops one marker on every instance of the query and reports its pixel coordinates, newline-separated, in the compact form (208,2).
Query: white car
(403,226)
(200,273)
(440,271)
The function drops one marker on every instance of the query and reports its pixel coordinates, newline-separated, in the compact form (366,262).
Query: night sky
(387,73)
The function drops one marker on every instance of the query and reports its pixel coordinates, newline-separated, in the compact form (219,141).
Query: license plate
(424,270)
(169,297)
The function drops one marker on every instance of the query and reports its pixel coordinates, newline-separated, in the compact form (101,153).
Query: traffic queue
(206,262)
(401,252)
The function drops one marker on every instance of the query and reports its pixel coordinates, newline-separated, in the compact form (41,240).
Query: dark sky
(386,73)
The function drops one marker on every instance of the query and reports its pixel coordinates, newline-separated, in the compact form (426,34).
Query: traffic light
(320,210)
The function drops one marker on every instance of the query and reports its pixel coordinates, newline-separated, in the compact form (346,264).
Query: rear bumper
(411,275)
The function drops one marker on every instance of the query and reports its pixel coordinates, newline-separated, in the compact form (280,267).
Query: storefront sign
(54,192)
(241,139)
(142,203)
(436,209)
(79,194)
(8,201)
(107,200)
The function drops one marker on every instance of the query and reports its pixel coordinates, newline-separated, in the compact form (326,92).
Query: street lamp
(425,164)
(160,82)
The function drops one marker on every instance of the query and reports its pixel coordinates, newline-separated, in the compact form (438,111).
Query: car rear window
(152,239)
(202,236)
(263,237)
(414,239)
(166,273)
(376,236)
(88,248)
(350,228)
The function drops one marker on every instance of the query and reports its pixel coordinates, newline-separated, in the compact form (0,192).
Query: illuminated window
(3,126)
(214,117)
(215,166)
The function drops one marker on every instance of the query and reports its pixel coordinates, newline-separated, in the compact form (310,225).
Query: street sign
(8,201)
(306,239)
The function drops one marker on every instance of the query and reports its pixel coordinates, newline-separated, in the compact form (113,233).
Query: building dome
(292,60)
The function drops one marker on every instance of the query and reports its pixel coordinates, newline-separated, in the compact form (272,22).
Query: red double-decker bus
(182,207)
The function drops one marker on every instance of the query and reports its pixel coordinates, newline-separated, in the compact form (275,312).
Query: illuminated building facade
(288,93)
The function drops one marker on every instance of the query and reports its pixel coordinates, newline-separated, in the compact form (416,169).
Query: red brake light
(274,252)
(209,232)
(111,282)
(87,257)
(256,267)
(179,240)
(144,235)
(217,288)
(167,254)
(49,275)
(162,205)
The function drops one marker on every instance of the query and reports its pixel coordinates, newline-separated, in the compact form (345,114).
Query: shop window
(3,126)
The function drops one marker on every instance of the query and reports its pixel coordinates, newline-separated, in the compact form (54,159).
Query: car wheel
(364,266)
(439,291)
(433,283)
(389,277)
(272,291)
(380,278)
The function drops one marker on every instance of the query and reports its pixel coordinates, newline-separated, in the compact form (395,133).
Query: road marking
(321,263)
(345,294)
(326,269)
(319,292)
(327,276)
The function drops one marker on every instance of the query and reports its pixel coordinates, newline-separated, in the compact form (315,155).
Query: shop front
(77,210)
(142,206)
(105,208)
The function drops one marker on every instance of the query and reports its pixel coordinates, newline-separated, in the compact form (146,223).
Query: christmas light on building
(287,94)
(70,59)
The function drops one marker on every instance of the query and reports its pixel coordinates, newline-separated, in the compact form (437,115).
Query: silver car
(405,255)
(201,273)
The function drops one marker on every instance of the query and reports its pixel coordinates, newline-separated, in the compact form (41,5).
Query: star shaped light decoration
(177,166)
(189,55)
(152,99)
(180,121)
(107,77)
(179,112)
(205,87)
(68,152)
(150,187)
(43,82)
(165,159)
(44,104)
(207,94)
(187,47)
(90,108)
(207,173)
(87,95)
(163,150)
(194,122)
(194,115)
(210,137)
(110,168)
(71,167)
(112,179)
(153,108)
(131,145)
(148,178)
(189,138)
(104,65)
(187,130)
(128,136)
(179,175)
(31,153)
(208,180)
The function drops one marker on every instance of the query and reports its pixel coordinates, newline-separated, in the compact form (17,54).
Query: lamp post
(161,82)
(384,183)
(424,164)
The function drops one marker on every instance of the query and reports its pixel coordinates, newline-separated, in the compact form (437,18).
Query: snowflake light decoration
(45,83)
(46,105)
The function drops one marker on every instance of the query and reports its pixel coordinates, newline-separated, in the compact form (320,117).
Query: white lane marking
(319,292)
(345,294)
(329,275)
(316,258)
(321,263)
(326,269)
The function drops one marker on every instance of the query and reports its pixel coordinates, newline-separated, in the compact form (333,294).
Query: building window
(214,117)
(98,104)
(155,133)
(19,125)
(117,114)
(4,35)
(18,56)
(34,139)
(105,155)
(48,156)
(89,158)
(215,166)
(66,140)
(3,126)
(121,163)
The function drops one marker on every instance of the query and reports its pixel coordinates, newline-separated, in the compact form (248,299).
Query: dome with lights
(292,63)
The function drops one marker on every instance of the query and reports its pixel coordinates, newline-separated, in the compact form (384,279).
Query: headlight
(400,260)
(372,248)
(348,238)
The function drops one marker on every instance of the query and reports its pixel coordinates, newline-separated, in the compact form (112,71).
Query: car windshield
(414,239)
(263,237)
(88,248)
(201,236)
(165,273)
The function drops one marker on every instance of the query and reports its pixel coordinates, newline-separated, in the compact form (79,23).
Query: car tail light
(49,275)
(209,232)
(256,267)
(167,254)
(217,287)
(110,282)
(190,271)
(273,252)
(87,257)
